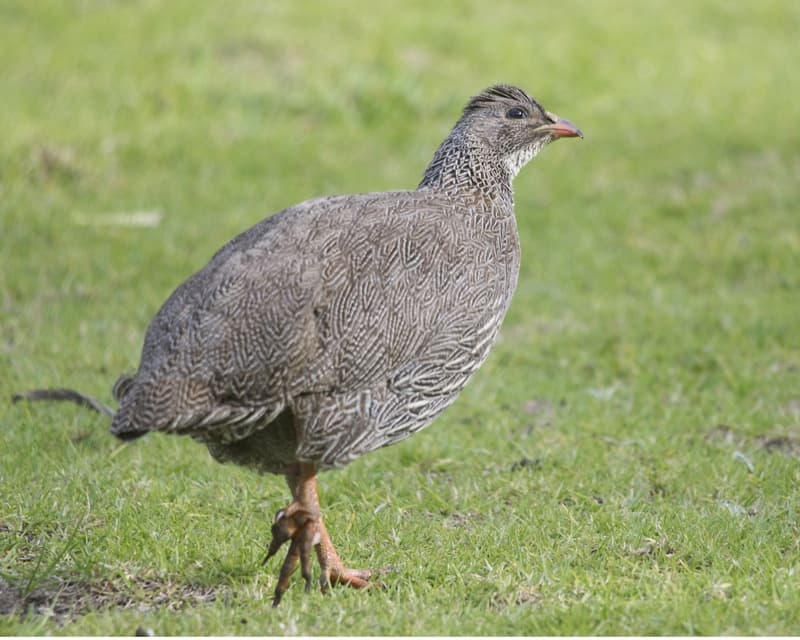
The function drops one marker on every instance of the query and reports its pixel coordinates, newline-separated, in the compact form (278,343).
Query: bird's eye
(515,113)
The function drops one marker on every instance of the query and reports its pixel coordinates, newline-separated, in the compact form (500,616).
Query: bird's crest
(499,93)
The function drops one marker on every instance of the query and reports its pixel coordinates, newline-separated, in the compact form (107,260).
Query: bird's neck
(463,166)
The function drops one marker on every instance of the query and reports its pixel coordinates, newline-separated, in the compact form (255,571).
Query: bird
(342,324)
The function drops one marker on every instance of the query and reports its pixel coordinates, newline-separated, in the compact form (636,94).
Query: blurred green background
(627,459)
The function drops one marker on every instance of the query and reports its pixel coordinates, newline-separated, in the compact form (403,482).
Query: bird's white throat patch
(515,161)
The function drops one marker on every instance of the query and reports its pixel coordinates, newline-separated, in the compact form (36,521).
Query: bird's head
(500,130)
(510,123)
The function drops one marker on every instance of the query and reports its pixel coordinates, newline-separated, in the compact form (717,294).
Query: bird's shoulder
(321,235)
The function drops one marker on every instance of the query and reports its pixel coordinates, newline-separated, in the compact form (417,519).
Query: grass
(625,462)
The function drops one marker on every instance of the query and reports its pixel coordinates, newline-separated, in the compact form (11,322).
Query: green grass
(648,371)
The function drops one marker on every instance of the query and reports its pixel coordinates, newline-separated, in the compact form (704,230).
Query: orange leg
(301,522)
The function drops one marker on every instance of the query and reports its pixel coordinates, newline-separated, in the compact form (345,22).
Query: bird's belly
(269,448)
(337,428)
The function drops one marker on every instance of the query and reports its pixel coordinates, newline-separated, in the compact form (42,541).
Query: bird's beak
(561,128)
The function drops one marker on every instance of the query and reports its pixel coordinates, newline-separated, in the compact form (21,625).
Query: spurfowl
(342,324)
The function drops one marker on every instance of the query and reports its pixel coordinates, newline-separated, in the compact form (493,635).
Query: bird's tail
(65,395)
(121,387)
(120,426)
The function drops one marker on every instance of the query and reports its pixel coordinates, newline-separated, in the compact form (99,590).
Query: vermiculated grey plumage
(343,324)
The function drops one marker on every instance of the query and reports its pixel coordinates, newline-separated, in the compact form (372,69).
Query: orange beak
(561,128)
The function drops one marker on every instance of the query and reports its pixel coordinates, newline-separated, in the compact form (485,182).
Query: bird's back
(363,315)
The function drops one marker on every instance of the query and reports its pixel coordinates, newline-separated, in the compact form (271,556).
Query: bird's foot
(305,530)
(297,524)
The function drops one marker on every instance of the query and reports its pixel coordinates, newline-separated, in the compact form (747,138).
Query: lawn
(627,460)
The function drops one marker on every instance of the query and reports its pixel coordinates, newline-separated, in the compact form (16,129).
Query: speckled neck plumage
(463,165)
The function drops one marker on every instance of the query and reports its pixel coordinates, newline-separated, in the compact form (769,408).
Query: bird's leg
(301,522)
